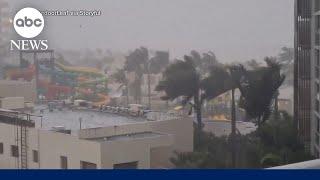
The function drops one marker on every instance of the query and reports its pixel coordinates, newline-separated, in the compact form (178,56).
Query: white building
(143,144)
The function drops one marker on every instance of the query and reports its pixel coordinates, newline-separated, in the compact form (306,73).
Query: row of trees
(199,78)
(275,144)
(194,81)
(185,80)
(139,62)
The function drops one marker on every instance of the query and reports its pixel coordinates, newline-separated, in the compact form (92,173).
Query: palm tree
(181,79)
(223,79)
(136,62)
(259,89)
(120,77)
(154,66)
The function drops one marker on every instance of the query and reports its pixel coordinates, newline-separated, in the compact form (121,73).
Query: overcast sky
(233,29)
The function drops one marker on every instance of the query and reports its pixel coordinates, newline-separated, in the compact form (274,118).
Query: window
(316,152)
(317,88)
(63,162)
(317,139)
(317,55)
(316,5)
(1,148)
(35,156)
(87,165)
(129,165)
(14,151)
(318,125)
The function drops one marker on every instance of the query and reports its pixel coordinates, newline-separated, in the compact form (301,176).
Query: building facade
(144,145)
(315,77)
(307,73)
(302,66)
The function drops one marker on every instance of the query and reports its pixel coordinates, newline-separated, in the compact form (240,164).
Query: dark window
(317,57)
(318,125)
(316,152)
(14,151)
(63,162)
(1,148)
(87,165)
(35,156)
(129,165)
(317,88)
(317,105)
(316,5)
(317,139)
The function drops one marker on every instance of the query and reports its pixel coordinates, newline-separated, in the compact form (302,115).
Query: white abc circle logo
(28,22)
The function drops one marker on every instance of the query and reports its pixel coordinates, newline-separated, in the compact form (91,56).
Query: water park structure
(58,81)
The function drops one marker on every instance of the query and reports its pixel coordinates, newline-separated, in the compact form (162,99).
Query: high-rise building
(302,66)
(307,73)
(315,77)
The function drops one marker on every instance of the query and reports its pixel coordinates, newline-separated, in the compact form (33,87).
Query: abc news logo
(28,23)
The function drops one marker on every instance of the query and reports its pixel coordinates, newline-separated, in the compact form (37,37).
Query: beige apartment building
(143,145)
(9,88)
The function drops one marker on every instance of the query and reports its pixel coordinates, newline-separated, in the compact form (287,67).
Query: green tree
(136,62)
(120,77)
(181,80)
(259,89)
(275,144)
(140,63)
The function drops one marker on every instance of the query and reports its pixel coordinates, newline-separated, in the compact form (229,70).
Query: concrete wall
(50,146)
(137,150)
(182,130)
(149,151)
(18,89)
(7,137)
(53,145)
(114,130)
(12,103)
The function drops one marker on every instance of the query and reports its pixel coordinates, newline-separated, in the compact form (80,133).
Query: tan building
(146,144)
(24,89)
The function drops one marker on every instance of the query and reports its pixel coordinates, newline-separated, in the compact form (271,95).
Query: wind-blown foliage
(159,62)
(183,79)
(259,88)
(276,143)
(136,62)
(120,77)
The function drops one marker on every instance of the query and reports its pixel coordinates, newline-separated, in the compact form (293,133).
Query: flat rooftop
(71,119)
(133,136)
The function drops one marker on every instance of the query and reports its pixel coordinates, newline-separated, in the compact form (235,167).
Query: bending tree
(120,77)
(183,80)
(259,90)
(136,62)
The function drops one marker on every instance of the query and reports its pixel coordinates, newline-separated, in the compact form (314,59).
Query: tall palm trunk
(197,108)
(276,106)
(233,129)
(149,91)
(127,93)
